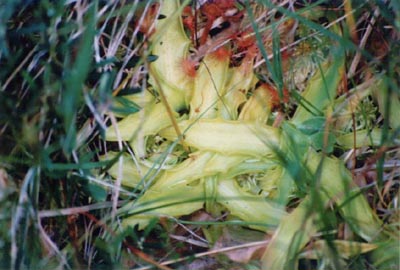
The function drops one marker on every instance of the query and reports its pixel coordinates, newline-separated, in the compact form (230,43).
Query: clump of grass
(58,69)
(71,70)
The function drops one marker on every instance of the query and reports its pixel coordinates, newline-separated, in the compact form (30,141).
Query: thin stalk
(170,114)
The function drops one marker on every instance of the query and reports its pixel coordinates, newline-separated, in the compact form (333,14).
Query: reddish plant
(222,53)
(215,9)
(275,99)
(189,67)
(148,20)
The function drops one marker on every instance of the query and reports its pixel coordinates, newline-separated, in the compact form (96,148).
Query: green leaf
(312,125)
(125,106)
(320,91)
(97,192)
(323,141)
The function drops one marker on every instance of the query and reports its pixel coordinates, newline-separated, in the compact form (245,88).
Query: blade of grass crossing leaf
(260,43)
(277,62)
(281,251)
(321,90)
(166,203)
(209,87)
(228,137)
(352,204)
(295,230)
(344,248)
(210,191)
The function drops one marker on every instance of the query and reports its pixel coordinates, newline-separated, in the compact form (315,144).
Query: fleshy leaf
(320,91)
(180,200)
(209,86)
(228,137)
(171,46)
(345,249)
(248,207)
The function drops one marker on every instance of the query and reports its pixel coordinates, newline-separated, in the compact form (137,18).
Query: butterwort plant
(211,136)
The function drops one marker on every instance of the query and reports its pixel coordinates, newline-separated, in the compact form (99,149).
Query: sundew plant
(199,134)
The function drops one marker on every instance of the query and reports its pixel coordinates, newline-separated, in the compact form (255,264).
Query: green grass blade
(76,76)
(320,91)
